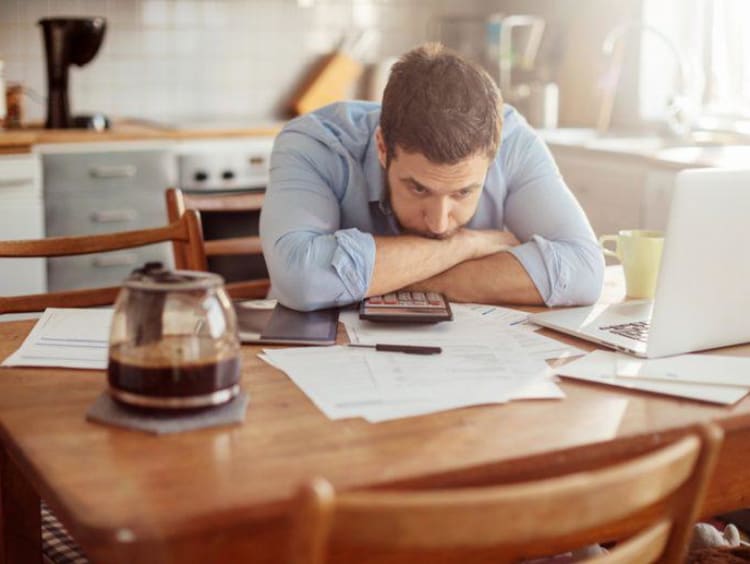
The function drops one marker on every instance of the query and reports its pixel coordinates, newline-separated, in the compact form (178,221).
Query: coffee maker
(69,41)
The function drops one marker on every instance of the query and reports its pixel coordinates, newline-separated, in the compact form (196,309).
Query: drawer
(102,269)
(19,177)
(108,173)
(104,214)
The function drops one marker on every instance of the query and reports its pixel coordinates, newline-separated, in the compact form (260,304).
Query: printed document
(68,338)
(378,386)
(492,326)
(683,376)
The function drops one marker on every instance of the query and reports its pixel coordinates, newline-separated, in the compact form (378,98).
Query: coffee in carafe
(174,342)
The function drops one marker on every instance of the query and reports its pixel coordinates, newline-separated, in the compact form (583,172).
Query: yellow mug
(639,251)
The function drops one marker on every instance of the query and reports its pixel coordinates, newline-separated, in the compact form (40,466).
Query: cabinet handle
(15,182)
(113,216)
(115,171)
(120,259)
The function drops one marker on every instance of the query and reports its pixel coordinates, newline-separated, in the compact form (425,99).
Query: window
(713,38)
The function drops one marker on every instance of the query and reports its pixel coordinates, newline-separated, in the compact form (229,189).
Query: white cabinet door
(21,217)
(609,188)
(92,191)
(657,198)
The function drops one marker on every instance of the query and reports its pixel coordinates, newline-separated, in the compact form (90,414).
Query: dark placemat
(106,410)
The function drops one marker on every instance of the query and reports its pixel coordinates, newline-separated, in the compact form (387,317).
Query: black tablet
(265,321)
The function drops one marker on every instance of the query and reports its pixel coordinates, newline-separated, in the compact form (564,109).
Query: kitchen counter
(22,140)
(665,152)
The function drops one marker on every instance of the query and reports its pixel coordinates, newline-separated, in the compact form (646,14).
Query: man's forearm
(403,260)
(494,279)
(406,259)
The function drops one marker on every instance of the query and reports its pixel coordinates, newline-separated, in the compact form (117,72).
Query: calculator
(409,307)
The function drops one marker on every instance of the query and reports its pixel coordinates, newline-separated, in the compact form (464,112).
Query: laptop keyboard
(637,330)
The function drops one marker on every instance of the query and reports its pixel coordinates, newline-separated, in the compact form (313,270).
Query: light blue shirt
(323,206)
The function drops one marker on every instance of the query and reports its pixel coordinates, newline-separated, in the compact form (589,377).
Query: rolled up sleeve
(312,263)
(559,250)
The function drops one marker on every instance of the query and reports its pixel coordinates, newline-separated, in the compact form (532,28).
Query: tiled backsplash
(172,60)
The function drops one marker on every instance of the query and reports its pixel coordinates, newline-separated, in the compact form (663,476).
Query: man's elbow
(579,279)
(296,291)
(589,280)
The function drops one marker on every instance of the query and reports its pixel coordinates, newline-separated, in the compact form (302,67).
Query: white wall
(173,59)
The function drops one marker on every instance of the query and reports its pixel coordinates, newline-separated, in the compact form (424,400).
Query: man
(422,194)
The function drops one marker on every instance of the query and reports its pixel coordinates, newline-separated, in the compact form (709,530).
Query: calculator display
(410,307)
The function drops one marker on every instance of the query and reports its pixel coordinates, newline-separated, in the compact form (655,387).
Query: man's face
(432,200)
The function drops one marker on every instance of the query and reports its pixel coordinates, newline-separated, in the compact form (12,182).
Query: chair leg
(57,544)
(20,518)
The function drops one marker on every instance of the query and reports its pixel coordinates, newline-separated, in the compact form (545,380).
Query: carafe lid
(152,276)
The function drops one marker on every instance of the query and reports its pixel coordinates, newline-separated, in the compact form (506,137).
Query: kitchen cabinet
(618,190)
(657,197)
(609,188)
(21,217)
(91,190)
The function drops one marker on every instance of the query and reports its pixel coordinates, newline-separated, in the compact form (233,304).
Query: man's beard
(405,230)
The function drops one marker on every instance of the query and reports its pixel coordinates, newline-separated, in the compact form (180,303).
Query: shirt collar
(373,171)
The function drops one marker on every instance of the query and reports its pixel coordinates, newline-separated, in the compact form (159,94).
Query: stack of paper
(66,337)
(486,359)
(492,326)
(704,377)
(356,382)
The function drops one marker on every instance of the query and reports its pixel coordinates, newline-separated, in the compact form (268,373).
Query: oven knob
(227,175)
(201,176)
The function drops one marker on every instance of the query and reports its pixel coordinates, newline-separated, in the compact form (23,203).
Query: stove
(239,164)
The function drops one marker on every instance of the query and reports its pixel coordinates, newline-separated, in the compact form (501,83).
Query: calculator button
(375,300)
(434,298)
(419,298)
(404,297)
(390,299)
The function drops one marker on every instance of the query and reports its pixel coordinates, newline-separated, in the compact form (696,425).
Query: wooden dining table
(224,494)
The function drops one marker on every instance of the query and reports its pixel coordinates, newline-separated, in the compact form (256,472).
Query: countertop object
(22,140)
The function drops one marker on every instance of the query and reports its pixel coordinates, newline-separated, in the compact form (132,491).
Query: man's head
(439,130)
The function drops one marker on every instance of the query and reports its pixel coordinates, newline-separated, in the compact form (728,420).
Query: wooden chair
(186,231)
(178,202)
(657,496)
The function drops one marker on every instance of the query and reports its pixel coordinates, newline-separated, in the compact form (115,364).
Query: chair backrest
(186,231)
(655,496)
(178,202)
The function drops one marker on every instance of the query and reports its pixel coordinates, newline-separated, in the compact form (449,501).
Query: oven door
(225,224)
(227,166)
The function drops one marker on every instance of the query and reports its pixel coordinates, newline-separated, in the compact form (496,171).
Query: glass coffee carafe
(174,342)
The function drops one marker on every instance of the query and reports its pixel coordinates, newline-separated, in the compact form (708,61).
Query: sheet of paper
(355,382)
(339,382)
(498,315)
(602,366)
(336,379)
(470,326)
(473,372)
(539,389)
(66,337)
(390,411)
(711,369)
(541,347)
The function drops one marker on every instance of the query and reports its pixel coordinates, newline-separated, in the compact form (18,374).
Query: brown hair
(440,105)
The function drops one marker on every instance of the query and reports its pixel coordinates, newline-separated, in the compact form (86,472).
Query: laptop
(702,298)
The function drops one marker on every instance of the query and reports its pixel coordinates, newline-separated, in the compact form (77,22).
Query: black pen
(408,349)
